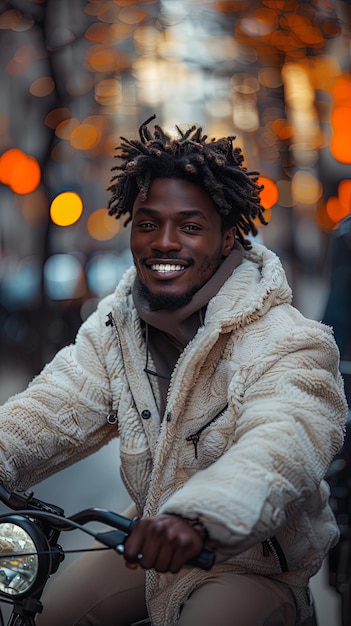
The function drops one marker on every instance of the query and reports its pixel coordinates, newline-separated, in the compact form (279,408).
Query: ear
(228,241)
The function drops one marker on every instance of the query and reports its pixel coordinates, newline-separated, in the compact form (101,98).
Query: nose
(166,239)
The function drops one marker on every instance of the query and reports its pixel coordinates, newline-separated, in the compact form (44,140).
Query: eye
(191,227)
(146,226)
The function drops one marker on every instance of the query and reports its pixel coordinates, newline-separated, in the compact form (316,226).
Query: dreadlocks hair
(215,166)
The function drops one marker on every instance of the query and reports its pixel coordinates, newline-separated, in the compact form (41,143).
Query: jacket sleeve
(289,425)
(61,416)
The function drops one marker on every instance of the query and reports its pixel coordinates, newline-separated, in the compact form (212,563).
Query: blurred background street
(77,75)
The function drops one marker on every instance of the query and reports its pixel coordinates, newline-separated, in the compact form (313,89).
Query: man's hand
(165,542)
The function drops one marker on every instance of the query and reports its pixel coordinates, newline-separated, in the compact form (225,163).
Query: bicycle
(30,552)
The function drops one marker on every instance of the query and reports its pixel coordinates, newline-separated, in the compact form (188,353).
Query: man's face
(176,241)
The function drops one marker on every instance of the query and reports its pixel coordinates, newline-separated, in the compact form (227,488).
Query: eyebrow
(182,213)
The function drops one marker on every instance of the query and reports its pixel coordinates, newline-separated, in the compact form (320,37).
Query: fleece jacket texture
(255,412)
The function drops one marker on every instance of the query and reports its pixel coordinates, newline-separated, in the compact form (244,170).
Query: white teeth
(166,267)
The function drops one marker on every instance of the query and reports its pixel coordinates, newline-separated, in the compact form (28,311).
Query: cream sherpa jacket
(255,413)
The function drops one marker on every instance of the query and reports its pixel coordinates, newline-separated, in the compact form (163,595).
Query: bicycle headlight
(25,560)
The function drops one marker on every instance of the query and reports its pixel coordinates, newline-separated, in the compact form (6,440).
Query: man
(228,402)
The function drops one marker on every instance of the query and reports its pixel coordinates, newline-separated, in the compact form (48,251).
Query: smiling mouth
(166,267)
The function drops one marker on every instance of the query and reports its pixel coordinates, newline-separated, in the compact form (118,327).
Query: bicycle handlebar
(27,505)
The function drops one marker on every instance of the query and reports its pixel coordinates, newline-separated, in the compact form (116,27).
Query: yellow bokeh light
(66,208)
(101,226)
(305,188)
(85,136)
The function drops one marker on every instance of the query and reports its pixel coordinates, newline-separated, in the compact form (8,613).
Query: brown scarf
(168,332)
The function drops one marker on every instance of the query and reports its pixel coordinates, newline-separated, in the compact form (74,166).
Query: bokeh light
(85,136)
(338,207)
(61,277)
(66,208)
(336,211)
(274,73)
(340,144)
(101,226)
(269,194)
(18,170)
(305,188)
(42,87)
(344,193)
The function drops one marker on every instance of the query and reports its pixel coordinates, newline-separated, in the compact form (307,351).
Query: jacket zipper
(195,438)
(272,546)
(269,546)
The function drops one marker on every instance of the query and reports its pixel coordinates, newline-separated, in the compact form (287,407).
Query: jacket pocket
(272,547)
(195,437)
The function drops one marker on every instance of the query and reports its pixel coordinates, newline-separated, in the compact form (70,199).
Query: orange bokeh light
(340,143)
(7,163)
(341,90)
(85,136)
(18,170)
(102,226)
(25,177)
(340,146)
(270,194)
(42,87)
(341,118)
(336,211)
(323,218)
(344,193)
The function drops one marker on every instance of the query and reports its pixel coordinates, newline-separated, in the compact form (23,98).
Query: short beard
(165,300)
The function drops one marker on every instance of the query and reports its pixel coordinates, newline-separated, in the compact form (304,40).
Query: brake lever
(15,499)
(113,539)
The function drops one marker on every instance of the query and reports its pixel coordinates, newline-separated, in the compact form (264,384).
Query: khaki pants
(98,589)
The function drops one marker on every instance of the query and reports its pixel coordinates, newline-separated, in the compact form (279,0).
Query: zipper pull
(110,320)
(195,440)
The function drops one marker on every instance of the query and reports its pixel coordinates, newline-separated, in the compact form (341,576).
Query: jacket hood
(257,284)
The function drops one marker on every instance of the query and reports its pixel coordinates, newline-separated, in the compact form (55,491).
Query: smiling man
(176,241)
(228,404)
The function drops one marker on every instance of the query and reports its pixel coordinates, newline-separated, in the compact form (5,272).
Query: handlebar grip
(204,560)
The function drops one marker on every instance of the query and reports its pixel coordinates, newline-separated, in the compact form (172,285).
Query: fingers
(163,543)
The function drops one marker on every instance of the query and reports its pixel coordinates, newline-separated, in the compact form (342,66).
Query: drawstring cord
(146,368)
